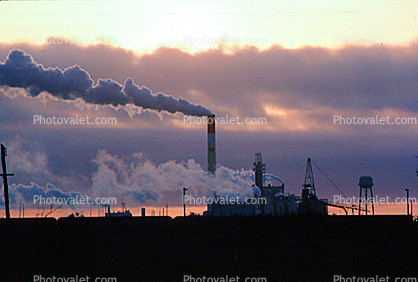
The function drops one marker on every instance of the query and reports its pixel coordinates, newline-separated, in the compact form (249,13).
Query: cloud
(28,193)
(242,82)
(298,90)
(136,180)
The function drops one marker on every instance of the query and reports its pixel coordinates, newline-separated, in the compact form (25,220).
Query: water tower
(366,183)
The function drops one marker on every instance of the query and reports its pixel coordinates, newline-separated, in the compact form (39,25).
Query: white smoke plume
(20,70)
(137,178)
(27,193)
(137,181)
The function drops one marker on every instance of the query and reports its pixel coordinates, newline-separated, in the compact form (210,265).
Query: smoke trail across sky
(20,70)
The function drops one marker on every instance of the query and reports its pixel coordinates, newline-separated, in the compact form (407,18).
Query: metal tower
(260,170)
(309,185)
(310,204)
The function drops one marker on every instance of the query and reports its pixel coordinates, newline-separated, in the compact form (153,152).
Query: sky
(297,68)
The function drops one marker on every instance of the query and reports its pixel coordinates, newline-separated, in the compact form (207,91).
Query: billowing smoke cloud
(137,181)
(33,193)
(20,70)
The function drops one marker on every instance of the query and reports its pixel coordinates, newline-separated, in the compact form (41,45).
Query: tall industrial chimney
(211,144)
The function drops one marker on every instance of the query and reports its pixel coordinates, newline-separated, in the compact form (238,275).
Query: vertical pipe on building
(407,201)
(211,144)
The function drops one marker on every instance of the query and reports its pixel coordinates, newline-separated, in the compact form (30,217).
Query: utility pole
(5,183)
(184,200)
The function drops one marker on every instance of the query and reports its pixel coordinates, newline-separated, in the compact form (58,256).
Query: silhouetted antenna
(184,201)
(5,183)
(309,184)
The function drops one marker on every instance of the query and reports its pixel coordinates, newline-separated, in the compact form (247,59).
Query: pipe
(407,201)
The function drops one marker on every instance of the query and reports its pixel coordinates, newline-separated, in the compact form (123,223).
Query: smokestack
(211,144)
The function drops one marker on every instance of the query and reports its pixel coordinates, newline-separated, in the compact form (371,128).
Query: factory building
(270,201)
(124,213)
(218,209)
(275,203)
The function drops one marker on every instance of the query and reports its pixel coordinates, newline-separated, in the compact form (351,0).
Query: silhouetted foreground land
(164,249)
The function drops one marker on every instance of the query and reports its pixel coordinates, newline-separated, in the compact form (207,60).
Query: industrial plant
(269,196)
(268,232)
(271,199)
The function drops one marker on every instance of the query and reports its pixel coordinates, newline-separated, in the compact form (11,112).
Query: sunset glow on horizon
(144,25)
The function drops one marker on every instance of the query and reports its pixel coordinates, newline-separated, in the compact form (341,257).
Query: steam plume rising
(20,70)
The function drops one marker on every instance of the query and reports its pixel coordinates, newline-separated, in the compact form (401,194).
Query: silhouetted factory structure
(256,243)
(271,199)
